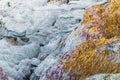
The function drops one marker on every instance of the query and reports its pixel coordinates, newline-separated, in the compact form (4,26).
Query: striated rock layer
(99,48)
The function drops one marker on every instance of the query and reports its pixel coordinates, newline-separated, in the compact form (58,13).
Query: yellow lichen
(104,19)
(90,57)
(101,27)
(86,61)
(115,2)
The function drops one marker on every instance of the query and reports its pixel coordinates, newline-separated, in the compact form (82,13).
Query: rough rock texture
(98,49)
(33,34)
(3,76)
(104,77)
(53,57)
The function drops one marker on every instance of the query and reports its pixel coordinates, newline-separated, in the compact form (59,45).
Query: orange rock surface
(102,27)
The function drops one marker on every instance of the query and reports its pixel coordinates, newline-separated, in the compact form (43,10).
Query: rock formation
(36,44)
(99,52)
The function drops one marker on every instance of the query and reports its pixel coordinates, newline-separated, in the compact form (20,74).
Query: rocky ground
(34,33)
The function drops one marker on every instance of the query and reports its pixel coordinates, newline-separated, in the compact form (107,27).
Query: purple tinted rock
(3,75)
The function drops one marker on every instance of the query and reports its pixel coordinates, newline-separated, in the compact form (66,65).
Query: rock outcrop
(33,34)
(98,49)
